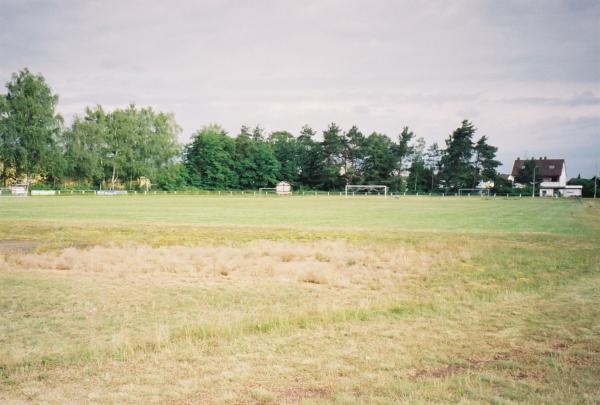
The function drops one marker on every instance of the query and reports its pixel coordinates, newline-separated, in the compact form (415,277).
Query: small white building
(554,177)
(283,188)
(488,185)
(19,190)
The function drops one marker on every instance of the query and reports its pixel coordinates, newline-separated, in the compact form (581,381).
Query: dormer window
(551,167)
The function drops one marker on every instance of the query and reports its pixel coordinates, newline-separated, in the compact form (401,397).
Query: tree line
(135,147)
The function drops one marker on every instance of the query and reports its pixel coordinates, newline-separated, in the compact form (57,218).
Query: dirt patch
(442,372)
(560,346)
(20,246)
(297,394)
(451,369)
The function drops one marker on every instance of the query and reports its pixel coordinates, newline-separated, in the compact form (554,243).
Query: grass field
(206,299)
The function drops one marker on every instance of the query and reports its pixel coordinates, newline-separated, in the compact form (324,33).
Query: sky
(526,73)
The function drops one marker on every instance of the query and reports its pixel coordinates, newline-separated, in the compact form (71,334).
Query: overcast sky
(526,73)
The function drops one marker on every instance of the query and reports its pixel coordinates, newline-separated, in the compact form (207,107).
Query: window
(551,167)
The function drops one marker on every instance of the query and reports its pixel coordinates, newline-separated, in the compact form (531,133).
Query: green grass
(406,213)
(191,299)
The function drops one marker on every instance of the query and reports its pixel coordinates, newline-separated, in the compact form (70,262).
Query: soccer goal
(267,190)
(482,192)
(366,188)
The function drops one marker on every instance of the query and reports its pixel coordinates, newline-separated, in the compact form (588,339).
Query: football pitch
(304,299)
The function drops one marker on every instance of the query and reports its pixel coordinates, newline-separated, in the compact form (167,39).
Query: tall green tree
(378,159)
(418,179)
(286,151)
(432,162)
(7,161)
(121,146)
(311,159)
(255,162)
(209,159)
(456,159)
(484,162)
(401,152)
(85,143)
(354,155)
(172,177)
(29,138)
(334,145)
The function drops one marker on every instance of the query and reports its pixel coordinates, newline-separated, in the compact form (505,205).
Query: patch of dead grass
(344,265)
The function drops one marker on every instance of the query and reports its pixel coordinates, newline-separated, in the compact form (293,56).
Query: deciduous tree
(30,127)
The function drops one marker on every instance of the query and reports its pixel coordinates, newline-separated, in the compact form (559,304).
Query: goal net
(366,189)
(483,192)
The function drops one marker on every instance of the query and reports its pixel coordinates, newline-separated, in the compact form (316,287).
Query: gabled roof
(546,167)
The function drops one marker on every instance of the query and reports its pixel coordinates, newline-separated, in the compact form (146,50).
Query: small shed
(19,190)
(283,188)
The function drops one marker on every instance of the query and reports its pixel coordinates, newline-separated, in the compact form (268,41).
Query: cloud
(513,67)
(581,99)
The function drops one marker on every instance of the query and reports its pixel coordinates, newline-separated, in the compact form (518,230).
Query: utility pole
(596,180)
(533,192)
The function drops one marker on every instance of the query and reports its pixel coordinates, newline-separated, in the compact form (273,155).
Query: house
(554,177)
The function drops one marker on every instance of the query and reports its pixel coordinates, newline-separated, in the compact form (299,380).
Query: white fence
(43,192)
(111,192)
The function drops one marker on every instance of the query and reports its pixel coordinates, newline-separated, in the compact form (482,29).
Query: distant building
(486,185)
(554,177)
(283,187)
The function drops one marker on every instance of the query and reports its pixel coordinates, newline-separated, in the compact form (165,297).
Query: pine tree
(456,159)
(484,163)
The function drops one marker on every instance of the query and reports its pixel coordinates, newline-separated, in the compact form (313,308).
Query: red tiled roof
(546,167)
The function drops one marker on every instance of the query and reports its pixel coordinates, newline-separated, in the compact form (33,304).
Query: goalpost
(474,191)
(366,188)
(267,190)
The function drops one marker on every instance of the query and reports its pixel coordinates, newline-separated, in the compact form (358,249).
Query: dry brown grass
(337,263)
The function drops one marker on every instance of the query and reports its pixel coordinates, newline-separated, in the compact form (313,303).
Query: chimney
(545,158)
(518,158)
